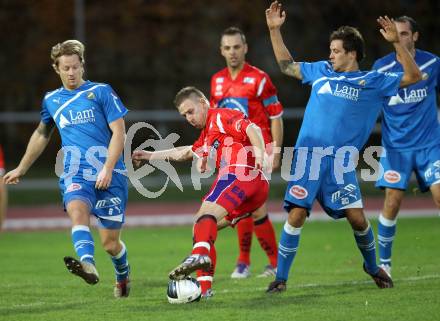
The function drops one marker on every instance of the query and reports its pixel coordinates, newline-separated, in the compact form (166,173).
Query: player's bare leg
(435,191)
(3,201)
(393,200)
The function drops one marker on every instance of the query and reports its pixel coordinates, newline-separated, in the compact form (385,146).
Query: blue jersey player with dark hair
(410,135)
(343,107)
(89,117)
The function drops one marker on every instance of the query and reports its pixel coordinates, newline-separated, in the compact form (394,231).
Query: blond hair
(68,47)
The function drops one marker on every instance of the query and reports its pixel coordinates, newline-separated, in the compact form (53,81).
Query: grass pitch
(326,280)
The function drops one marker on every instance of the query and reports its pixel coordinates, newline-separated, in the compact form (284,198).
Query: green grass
(326,282)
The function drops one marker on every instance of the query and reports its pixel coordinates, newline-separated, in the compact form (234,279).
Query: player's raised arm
(178,154)
(411,71)
(275,18)
(37,143)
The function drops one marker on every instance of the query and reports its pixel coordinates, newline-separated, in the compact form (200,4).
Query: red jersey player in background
(238,148)
(3,194)
(248,89)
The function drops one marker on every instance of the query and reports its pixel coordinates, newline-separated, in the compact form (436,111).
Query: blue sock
(122,268)
(83,243)
(366,244)
(287,250)
(385,237)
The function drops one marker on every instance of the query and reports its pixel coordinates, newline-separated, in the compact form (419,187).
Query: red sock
(204,234)
(245,228)
(266,236)
(206,277)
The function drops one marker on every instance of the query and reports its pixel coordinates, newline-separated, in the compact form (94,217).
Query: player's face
(71,71)
(406,36)
(194,110)
(234,50)
(340,59)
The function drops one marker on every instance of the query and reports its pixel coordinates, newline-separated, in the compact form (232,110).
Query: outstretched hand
(13,177)
(139,156)
(275,16)
(388,30)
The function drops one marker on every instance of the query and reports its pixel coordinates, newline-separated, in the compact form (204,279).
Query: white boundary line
(182,219)
(335,284)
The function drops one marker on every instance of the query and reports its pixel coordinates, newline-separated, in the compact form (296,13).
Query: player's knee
(213,217)
(210,210)
(259,216)
(392,203)
(297,216)
(437,201)
(393,199)
(358,223)
(111,246)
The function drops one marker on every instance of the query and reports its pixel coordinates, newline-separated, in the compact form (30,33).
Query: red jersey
(225,135)
(251,92)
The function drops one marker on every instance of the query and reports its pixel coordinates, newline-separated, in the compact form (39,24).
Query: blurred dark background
(147,50)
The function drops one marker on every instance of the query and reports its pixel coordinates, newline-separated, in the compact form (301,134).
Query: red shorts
(238,197)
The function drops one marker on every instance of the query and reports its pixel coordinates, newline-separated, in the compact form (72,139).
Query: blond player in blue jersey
(89,118)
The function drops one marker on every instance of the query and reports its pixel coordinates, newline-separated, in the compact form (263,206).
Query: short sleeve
(233,123)
(45,116)
(111,104)
(312,71)
(199,148)
(389,83)
(268,95)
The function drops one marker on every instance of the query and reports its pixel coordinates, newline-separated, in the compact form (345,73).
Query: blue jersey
(83,116)
(343,106)
(410,117)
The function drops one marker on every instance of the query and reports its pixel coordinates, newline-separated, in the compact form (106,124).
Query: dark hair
(352,40)
(232,31)
(185,93)
(412,23)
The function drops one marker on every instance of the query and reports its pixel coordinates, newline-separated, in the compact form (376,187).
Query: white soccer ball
(184,291)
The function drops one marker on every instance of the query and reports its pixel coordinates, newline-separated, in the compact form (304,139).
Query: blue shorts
(398,166)
(323,180)
(108,206)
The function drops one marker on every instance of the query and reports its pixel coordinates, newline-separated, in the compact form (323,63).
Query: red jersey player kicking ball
(241,187)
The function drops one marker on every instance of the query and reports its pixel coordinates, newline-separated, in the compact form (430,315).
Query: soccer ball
(184,291)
